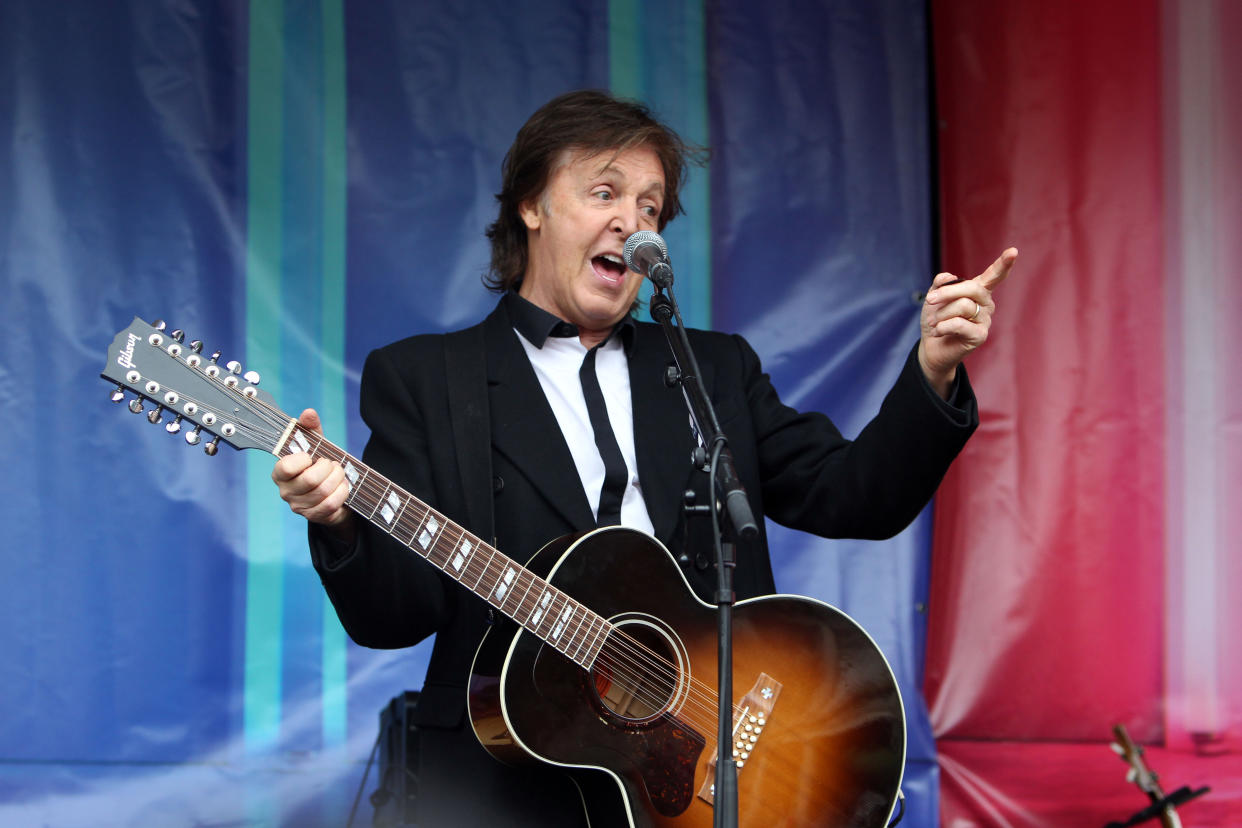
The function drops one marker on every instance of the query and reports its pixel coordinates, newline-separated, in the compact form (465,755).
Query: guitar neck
(513,590)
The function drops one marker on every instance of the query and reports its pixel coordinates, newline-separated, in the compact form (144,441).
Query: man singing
(552,417)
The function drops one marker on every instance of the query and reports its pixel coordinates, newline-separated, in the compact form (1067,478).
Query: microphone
(646,253)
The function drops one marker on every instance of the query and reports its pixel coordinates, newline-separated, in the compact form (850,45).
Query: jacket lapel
(525,430)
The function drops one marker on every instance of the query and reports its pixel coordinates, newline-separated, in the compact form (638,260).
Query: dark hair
(588,120)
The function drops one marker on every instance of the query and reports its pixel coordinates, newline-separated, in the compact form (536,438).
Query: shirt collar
(536,324)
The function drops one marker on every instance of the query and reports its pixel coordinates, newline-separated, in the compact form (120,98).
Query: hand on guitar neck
(316,489)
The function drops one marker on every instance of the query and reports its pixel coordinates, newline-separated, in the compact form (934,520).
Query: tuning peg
(192,437)
(251,377)
(135,405)
(197,346)
(233,366)
(178,335)
(215,356)
(118,394)
(159,325)
(155,415)
(212,447)
(174,426)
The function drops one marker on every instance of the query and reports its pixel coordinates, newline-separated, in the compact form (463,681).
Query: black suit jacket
(796,467)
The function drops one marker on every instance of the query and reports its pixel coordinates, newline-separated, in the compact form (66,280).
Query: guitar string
(277,421)
(625,665)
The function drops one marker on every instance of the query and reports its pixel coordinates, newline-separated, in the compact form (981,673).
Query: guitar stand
(1162,806)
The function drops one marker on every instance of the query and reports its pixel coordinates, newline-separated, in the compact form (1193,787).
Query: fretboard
(503,583)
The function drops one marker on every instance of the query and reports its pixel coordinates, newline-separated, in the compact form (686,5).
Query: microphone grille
(643,237)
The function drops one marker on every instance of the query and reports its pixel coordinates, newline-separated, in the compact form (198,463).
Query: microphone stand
(727,489)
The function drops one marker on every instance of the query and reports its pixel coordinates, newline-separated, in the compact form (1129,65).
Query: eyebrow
(653,186)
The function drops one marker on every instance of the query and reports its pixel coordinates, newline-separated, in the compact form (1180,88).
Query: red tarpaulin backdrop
(1064,596)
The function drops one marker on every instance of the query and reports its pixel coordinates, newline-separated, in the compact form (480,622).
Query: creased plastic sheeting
(1203,210)
(118,197)
(821,201)
(1047,591)
(123,192)
(1052,598)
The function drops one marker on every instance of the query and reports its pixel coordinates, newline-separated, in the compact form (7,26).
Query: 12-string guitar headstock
(158,367)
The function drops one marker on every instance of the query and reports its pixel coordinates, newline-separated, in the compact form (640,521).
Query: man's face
(576,231)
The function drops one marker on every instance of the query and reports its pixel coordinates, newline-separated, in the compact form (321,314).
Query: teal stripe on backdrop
(295,647)
(658,54)
(298,322)
(332,326)
(264,568)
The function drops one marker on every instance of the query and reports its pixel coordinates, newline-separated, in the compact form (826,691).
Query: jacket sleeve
(814,479)
(384,594)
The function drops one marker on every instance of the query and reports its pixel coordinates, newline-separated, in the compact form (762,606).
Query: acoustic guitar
(605,666)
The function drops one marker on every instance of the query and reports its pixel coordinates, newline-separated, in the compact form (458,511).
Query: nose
(625,217)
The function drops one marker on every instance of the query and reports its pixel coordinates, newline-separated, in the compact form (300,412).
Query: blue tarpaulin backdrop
(298,182)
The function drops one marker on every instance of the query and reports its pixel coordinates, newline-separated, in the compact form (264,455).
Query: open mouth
(610,268)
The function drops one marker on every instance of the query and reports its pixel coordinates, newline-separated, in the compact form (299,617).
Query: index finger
(998,271)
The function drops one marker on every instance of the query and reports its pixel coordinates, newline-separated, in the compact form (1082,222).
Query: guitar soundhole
(638,674)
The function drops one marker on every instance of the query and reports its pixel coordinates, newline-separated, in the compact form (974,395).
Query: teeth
(613,259)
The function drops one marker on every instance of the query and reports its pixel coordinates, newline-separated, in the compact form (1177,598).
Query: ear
(529,211)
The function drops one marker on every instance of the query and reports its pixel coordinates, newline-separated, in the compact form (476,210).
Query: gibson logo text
(126,358)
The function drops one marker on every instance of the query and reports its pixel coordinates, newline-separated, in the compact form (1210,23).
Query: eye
(651,210)
(603,195)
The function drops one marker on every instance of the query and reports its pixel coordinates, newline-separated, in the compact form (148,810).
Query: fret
(503,585)
(459,559)
(581,615)
(540,612)
(425,534)
(352,475)
(298,443)
(483,571)
(563,618)
(597,644)
(531,580)
(442,549)
(492,575)
(362,487)
(420,519)
(391,506)
(415,513)
(512,604)
(573,637)
(585,637)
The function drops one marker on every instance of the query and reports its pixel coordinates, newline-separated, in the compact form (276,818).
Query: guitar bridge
(754,712)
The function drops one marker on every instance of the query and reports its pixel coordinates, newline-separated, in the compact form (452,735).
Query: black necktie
(615,473)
